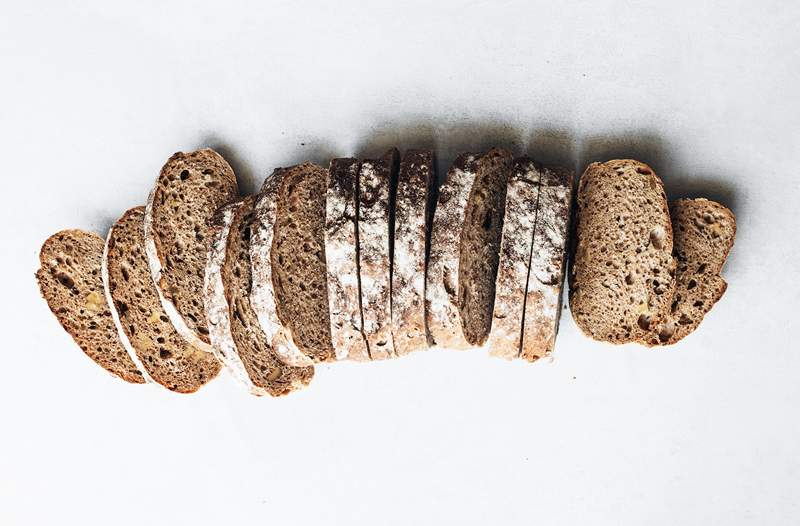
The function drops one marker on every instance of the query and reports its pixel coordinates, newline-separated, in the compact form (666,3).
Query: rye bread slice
(263,365)
(142,323)
(341,253)
(515,259)
(622,277)
(70,281)
(704,234)
(299,268)
(412,208)
(376,185)
(189,189)
(548,263)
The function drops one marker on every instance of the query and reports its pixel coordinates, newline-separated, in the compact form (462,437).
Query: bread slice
(189,189)
(622,274)
(344,296)
(704,234)
(377,181)
(299,268)
(70,281)
(515,258)
(265,369)
(548,262)
(414,186)
(142,323)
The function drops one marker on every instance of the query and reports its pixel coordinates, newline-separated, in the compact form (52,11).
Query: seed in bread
(70,281)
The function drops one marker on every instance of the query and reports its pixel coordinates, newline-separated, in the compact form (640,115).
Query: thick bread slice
(704,234)
(70,281)
(262,295)
(299,268)
(189,189)
(144,327)
(515,259)
(266,371)
(377,181)
(548,261)
(622,275)
(341,253)
(414,185)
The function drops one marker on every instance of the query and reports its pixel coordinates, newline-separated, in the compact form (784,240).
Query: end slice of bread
(622,277)
(189,189)
(70,281)
(704,234)
(143,325)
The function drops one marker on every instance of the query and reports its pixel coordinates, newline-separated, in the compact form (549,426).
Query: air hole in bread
(65,280)
(692,284)
(184,175)
(164,354)
(644,322)
(642,170)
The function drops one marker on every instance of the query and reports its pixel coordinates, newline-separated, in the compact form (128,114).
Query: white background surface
(94,100)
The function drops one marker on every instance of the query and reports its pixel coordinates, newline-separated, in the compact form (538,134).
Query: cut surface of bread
(143,326)
(189,189)
(515,259)
(414,184)
(299,267)
(377,180)
(266,371)
(548,262)
(341,253)
(622,274)
(704,234)
(70,281)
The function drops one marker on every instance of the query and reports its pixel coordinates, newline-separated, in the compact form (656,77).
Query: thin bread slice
(189,189)
(299,268)
(622,274)
(704,234)
(143,325)
(515,259)
(377,181)
(341,253)
(412,208)
(548,262)
(70,281)
(265,368)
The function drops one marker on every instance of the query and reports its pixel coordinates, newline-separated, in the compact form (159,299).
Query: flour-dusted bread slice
(704,234)
(265,369)
(341,252)
(189,189)
(515,257)
(622,277)
(143,325)
(70,281)
(377,180)
(414,185)
(548,262)
(299,268)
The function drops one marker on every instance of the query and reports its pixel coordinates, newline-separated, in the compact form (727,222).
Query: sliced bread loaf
(264,367)
(341,253)
(622,274)
(414,186)
(377,181)
(704,234)
(143,325)
(189,189)
(70,281)
(299,268)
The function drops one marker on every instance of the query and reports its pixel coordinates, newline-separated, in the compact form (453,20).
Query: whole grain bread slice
(376,186)
(622,277)
(704,234)
(142,323)
(70,281)
(341,253)
(299,267)
(264,366)
(415,183)
(189,189)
